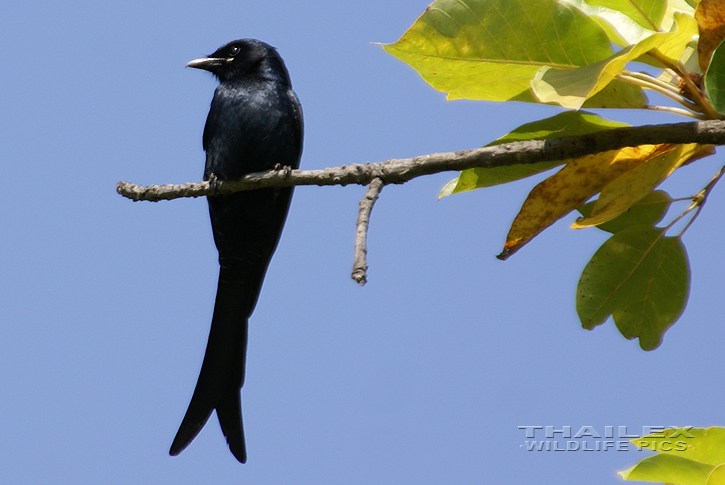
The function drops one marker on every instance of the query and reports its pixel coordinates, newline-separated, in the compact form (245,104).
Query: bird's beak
(208,63)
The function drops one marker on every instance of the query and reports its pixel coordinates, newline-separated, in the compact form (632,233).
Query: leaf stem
(627,77)
(649,78)
(698,202)
(681,71)
(678,111)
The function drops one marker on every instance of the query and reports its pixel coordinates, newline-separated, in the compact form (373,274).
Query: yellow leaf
(566,190)
(572,87)
(710,16)
(673,47)
(626,190)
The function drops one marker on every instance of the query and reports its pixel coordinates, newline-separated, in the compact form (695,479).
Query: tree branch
(379,174)
(360,267)
(402,170)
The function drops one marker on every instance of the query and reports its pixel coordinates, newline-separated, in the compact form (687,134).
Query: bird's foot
(213,183)
(286,168)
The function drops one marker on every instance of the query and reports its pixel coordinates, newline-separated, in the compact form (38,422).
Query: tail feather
(222,372)
(229,412)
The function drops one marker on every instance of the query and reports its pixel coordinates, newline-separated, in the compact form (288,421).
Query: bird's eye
(234,51)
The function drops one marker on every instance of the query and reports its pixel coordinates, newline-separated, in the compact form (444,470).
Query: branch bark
(398,171)
(360,267)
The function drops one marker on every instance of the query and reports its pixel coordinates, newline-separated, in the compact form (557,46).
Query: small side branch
(360,267)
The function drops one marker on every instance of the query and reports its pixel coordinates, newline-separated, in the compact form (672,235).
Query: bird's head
(241,58)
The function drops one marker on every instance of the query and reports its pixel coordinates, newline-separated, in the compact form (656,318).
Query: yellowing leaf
(566,190)
(624,191)
(710,16)
(572,87)
(649,210)
(568,123)
(674,45)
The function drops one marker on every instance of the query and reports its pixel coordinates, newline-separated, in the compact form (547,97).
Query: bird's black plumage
(254,124)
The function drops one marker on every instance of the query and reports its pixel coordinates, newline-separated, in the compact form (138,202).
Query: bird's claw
(286,168)
(213,183)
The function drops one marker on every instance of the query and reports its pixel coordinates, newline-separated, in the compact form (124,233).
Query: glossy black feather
(254,124)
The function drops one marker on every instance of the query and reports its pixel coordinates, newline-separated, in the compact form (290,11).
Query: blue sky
(422,376)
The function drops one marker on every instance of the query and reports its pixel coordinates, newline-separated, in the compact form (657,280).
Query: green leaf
(648,211)
(717,476)
(715,79)
(571,87)
(641,278)
(618,94)
(492,49)
(705,445)
(688,456)
(568,123)
(692,3)
(647,13)
(669,469)
(625,21)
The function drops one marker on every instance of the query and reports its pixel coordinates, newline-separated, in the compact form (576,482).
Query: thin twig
(698,202)
(360,267)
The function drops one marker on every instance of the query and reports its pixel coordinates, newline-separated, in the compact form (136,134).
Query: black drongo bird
(254,124)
